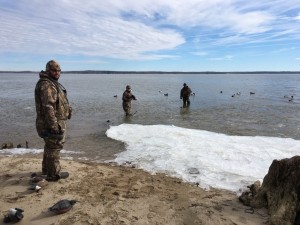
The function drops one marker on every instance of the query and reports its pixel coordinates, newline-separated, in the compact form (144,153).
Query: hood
(44,74)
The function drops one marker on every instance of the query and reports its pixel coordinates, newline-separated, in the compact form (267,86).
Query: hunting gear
(185,95)
(53,110)
(127,97)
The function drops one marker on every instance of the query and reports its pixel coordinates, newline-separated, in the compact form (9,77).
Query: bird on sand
(62,206)
(13,215)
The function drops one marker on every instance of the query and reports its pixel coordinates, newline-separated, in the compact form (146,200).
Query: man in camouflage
(185,95)
(52,108)
(127,97)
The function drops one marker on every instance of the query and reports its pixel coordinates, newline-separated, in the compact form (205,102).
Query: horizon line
(154,72)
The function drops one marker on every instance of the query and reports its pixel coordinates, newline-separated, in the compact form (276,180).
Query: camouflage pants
(51,165)
(186,102)
(127,107)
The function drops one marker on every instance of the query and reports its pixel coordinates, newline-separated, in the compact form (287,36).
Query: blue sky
(142,35)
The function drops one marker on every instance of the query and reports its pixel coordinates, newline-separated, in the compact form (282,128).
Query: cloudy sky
(142,35)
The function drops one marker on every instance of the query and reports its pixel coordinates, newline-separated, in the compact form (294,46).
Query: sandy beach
(111,194)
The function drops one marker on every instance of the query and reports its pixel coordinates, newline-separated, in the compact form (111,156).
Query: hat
(52,65)
(184,84)
(128,87)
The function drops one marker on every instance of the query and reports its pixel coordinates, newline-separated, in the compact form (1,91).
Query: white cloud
(224,58)
(200,53)
(284,50)
(82,31)
(130,29)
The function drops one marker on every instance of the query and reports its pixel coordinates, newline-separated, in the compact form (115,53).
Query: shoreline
(111,194)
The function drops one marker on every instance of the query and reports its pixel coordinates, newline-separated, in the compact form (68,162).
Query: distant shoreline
(160,72)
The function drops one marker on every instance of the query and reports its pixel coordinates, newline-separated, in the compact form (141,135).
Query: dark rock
(279,193)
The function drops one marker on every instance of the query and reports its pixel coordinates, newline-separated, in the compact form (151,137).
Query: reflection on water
(265,113)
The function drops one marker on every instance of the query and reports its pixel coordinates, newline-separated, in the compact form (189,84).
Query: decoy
(62,206)
(39,185)
(13,215)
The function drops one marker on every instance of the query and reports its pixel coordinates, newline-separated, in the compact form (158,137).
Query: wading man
(127,97)
(53,110)
(185,95)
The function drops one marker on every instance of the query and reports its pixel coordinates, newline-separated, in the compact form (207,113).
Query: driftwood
(279,193)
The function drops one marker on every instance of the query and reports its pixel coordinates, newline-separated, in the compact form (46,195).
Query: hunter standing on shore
(53,110)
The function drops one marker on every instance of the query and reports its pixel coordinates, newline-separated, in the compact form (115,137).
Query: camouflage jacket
(128,96)
(185,92)
(51,103)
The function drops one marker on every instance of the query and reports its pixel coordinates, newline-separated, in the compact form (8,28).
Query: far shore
(162,72)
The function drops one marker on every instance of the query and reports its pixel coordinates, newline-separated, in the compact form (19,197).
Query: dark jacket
(185,92)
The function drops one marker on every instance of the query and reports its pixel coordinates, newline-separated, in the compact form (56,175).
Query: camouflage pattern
(127,97)
(185,95)
(52,65)
(52,109)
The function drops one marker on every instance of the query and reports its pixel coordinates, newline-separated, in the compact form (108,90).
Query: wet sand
(111,194)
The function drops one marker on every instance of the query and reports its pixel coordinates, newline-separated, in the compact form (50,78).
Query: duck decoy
(62,206)
(39,185)
(13,215)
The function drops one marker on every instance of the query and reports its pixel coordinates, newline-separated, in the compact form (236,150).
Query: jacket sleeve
(49,96)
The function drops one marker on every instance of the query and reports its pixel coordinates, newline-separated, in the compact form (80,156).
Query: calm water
(266,113)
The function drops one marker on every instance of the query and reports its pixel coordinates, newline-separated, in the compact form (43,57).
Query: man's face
(55,73)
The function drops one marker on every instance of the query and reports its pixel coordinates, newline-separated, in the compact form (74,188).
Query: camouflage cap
(52,65)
